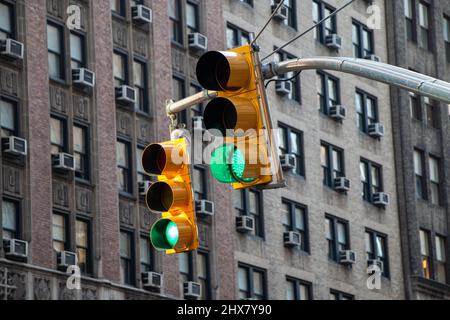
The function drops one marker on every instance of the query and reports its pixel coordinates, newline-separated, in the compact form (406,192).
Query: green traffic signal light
(165,234)
(228,164)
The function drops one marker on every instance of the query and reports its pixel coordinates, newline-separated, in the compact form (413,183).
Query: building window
(425,253)
(192,17)
(126,258)
(236,37)
(118,7)
(119,69)
(446,31)
(8,118)
(431,112)
(441,273)
(362,38)
(197,110)
(123,167)
(415,106)
(199,179)
(55,51)
(321,10)
(291,142)
(332,160)
(83,245)
(178,93)
(60,233)
(376,249)
(434,180)
(291,13)
(327,91)
(251,283)
(57,135)
(298,289)
(186,266)
(77,51)
(141,175)
(295,219)
(337,234)
(424,26)
(371,179)
(6,21)
(140,83)
(367,110)
(10,219)
(409,10)
(296,90)
(204,274)
(251,205)
(421,191)
(146,255)
(81,151)
(338,295)
(176,32)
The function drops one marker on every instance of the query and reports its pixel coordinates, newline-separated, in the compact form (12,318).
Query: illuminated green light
(228,164)
(164,234)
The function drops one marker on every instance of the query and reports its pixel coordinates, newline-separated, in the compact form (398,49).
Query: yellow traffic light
(240,114)
(172,195)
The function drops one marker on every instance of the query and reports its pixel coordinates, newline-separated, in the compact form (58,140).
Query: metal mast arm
(391,75)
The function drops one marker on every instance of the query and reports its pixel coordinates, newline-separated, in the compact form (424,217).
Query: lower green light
(164,234)
(228,164)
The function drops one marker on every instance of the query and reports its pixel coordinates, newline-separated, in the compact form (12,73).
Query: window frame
(129,178)
(410,20)
(297,283)
(15,106)
(442,263)
(143,91)
(130,260)
(325,95)
(424,30)
(65,137)
(446,26)
(151,266)
(249,269)
(122,9)
(82,36)
(208,290)
(190,274)
(17,234)
(62,55)
(84,175)
(287,130)
(177,24)
(321,29)
(334,242)
(341,295)
(124,56)
(305,246)
(420,177)
(361,51)
(365,110)
(329,169)
(88,249)
(67,233)
(423,257)
(437,184)
(204,182)
(197,27)
(296,82)
(245,210)
(238,32)
(368,185)
(13,19)
(373,239)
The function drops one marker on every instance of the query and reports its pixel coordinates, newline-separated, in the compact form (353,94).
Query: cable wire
(308,30)
(284,80)
(268,21)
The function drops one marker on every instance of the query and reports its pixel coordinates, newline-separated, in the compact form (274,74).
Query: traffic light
(248,156)
(171,195)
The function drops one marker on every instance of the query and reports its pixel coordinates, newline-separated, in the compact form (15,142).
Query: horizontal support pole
(381,72)
(183,104)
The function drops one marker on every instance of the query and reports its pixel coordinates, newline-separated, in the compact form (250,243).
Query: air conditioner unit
(342,184)
(14,146)
(141,14)
(143,187)
(283,88)
(245,224)
(347,257)
(192,290)
(282,13)
(378,263)
(63,161)
(333,41)
(376,130)
(126,94)
(292,239)
(288,161)
(198,41)
(66,259)
(152,280)
(372,57)
(83,77)
(204,208)
(338,112)
(11,48)
(197,123)
(16,249)
(380,199)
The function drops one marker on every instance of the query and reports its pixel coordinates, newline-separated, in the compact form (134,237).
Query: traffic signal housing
(171,195)
(240,113)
